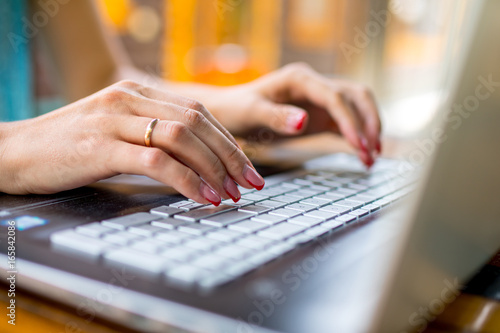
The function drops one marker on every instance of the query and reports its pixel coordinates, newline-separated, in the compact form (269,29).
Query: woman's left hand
(297,100)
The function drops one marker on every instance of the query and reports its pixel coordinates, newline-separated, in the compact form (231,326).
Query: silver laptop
(325,248)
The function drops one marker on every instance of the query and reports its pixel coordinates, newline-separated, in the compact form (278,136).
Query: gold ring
(149,132)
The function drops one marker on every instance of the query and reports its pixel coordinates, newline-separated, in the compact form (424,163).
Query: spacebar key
(200,213)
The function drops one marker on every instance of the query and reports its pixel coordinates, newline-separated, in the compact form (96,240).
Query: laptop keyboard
(193,246)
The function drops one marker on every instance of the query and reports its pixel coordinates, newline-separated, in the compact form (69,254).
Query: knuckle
(152,158)
(185,178)
(235,159)
(363,91)
(298,69)
(131,84)
(193,118)
(217,169)
(195,105)
(114,95)
(174,130)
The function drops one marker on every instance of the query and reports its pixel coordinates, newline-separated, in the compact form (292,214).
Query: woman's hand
(103,135)
(296,100)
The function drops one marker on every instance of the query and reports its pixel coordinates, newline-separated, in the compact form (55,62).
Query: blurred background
(403,49)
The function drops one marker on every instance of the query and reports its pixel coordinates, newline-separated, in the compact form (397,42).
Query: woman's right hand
(103,135)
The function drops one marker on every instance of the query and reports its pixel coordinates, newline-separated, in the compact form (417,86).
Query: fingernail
(232,189)
(295,121)
(364,145)
(378,146)
(253,177)
(209,194)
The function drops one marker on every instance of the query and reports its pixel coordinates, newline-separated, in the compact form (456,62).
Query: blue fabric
(16,84)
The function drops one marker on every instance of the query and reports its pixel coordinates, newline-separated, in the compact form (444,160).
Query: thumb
(282,118)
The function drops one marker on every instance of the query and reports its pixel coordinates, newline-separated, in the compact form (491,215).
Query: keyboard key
(299,239)
(331,224)
(240,203)
(121,238)
(347,191)
(331,184)
(95,229)
(233,252)
(203,244)
(225,235)
(305,221)
(268,219)
(213,281)
(281,231)
(211,262)
(319,188)
(350,203)
(270,203)
(317,202)
(239,269)
(254,209)
(173,237)
(185,276)
(254,197)
(280,249)
(322,214)
(285,212)
(166,211)
(359,212)
(371,207)
(305,193)
(261,258)
(146,230)
(336,209)
(179,204)
(139,261)
(80,243)
(180,253)
(303,182)
(255,242)
(248,226)
(121,223)
(192,205)
(148,245)
(195,228)
(316,231)
(346,218)
(222,220)
(287,198)
(300,207)
(169,223)
(203,212)
(291,185)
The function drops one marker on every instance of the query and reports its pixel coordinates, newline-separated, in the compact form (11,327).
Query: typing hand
(104,135)
(297,100)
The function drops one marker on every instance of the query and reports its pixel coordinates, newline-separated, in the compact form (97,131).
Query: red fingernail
(209,194)
(295,121)
(364,145)
(378,147)
(253,177)
(232,189)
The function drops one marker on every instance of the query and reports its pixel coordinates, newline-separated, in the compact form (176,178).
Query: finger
(230,155)
(177,139)
(309,85)
(365,104)
(169,97)
(156,164)
(281,118)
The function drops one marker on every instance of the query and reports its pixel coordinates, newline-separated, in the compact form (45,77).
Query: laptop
(327,247)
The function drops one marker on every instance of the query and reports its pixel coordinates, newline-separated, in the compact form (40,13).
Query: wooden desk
(468,313)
